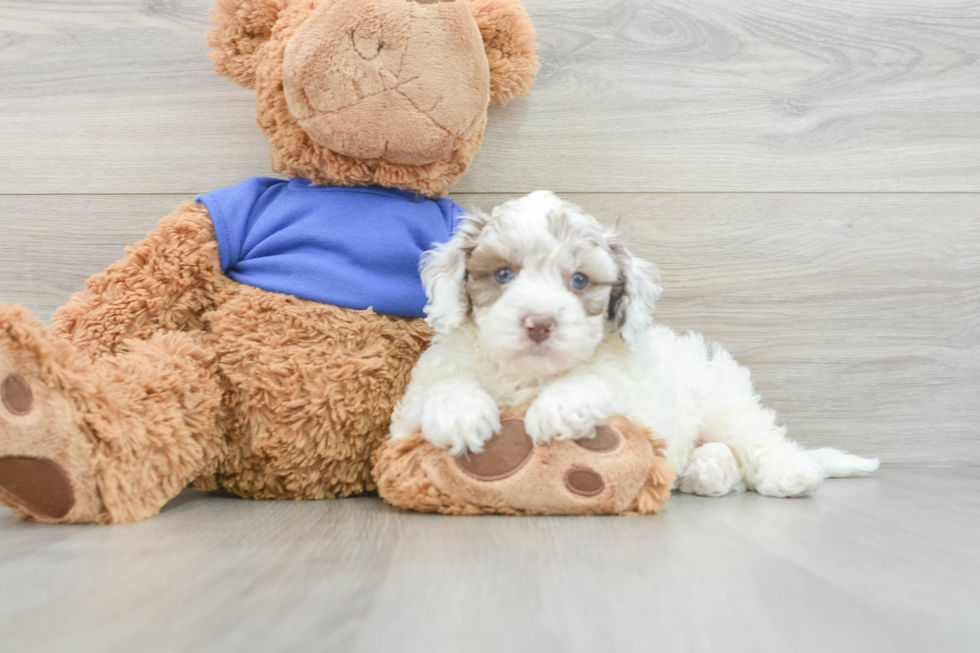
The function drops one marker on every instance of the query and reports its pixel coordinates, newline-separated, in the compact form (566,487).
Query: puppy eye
(579,281)
(503,275)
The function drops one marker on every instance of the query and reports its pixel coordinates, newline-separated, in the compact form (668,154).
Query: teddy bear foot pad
(45,459)
(36,485)
(40,485)
(512,448)
(620,470)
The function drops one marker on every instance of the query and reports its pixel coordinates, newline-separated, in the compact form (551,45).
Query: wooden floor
(889,563)
(807,177)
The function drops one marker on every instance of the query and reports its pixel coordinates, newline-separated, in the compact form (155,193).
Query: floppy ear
(241,29)
(632,303)
(508,37)
(444,276)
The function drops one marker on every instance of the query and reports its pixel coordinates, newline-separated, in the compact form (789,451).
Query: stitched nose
(367,38)
(539,327)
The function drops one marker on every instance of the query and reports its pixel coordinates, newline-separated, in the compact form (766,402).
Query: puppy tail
(837,463)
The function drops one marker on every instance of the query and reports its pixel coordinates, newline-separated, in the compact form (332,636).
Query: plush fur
(164,372)
(254,46)
(518,323)
(415,474)
(169,372)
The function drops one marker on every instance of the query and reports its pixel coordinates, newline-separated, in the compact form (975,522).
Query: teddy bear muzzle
(407,82)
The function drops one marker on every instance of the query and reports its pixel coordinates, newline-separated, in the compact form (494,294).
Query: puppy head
(542,281)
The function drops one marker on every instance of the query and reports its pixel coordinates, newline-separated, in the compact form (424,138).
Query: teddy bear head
(386,92)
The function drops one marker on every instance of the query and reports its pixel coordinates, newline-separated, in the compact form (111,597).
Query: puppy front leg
(456,414)
(570,409)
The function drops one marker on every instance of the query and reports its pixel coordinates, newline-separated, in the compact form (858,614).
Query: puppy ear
(508,37)
(444,276)
(241,29)
(633,299)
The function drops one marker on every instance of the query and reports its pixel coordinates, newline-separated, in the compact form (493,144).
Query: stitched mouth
(343,132)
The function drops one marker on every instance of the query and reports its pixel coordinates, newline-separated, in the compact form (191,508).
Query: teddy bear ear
(508,36)
(241,29)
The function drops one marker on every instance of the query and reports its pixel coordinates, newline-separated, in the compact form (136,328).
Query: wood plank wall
(806,175)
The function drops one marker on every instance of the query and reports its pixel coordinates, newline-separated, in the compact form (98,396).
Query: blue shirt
(353,247)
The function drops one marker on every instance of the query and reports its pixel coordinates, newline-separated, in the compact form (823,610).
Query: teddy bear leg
(313,391)
(110,440)
(166,282)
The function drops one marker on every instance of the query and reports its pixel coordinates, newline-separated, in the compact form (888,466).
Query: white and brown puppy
(538,304)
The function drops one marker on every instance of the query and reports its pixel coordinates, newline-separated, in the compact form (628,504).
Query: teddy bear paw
(619,469)
(44,456)
(594,475)
(512,448)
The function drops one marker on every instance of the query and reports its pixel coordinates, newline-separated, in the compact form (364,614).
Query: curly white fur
(570,408)
(594,363)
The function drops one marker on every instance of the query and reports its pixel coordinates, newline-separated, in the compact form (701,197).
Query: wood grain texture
(118,96)
(880,564)
(859,315)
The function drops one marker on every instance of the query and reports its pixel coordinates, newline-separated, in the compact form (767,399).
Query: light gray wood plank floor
(805,174)
(888,563)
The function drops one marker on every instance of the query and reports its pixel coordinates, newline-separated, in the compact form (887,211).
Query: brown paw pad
(502,456)
(16,395)
(39,484)
(606,439)
(584,482)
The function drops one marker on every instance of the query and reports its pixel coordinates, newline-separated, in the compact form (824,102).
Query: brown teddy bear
(259,338)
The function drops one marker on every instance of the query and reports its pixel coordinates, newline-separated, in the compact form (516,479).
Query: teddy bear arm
(165,283)
(620,470)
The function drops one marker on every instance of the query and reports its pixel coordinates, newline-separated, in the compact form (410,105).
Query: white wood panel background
(859,314)
(850,286)
(117,96)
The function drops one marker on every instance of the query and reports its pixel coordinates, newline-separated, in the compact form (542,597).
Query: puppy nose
(539,327)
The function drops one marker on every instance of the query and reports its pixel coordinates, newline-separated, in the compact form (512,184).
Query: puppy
(538,304)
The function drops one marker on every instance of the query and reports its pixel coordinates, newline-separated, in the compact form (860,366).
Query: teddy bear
(257,341)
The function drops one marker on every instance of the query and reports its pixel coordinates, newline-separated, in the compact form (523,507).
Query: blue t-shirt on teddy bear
(353,247)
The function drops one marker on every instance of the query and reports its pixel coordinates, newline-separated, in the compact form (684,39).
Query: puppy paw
(712,472)
(570,409)
(459,415)
(792,474)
